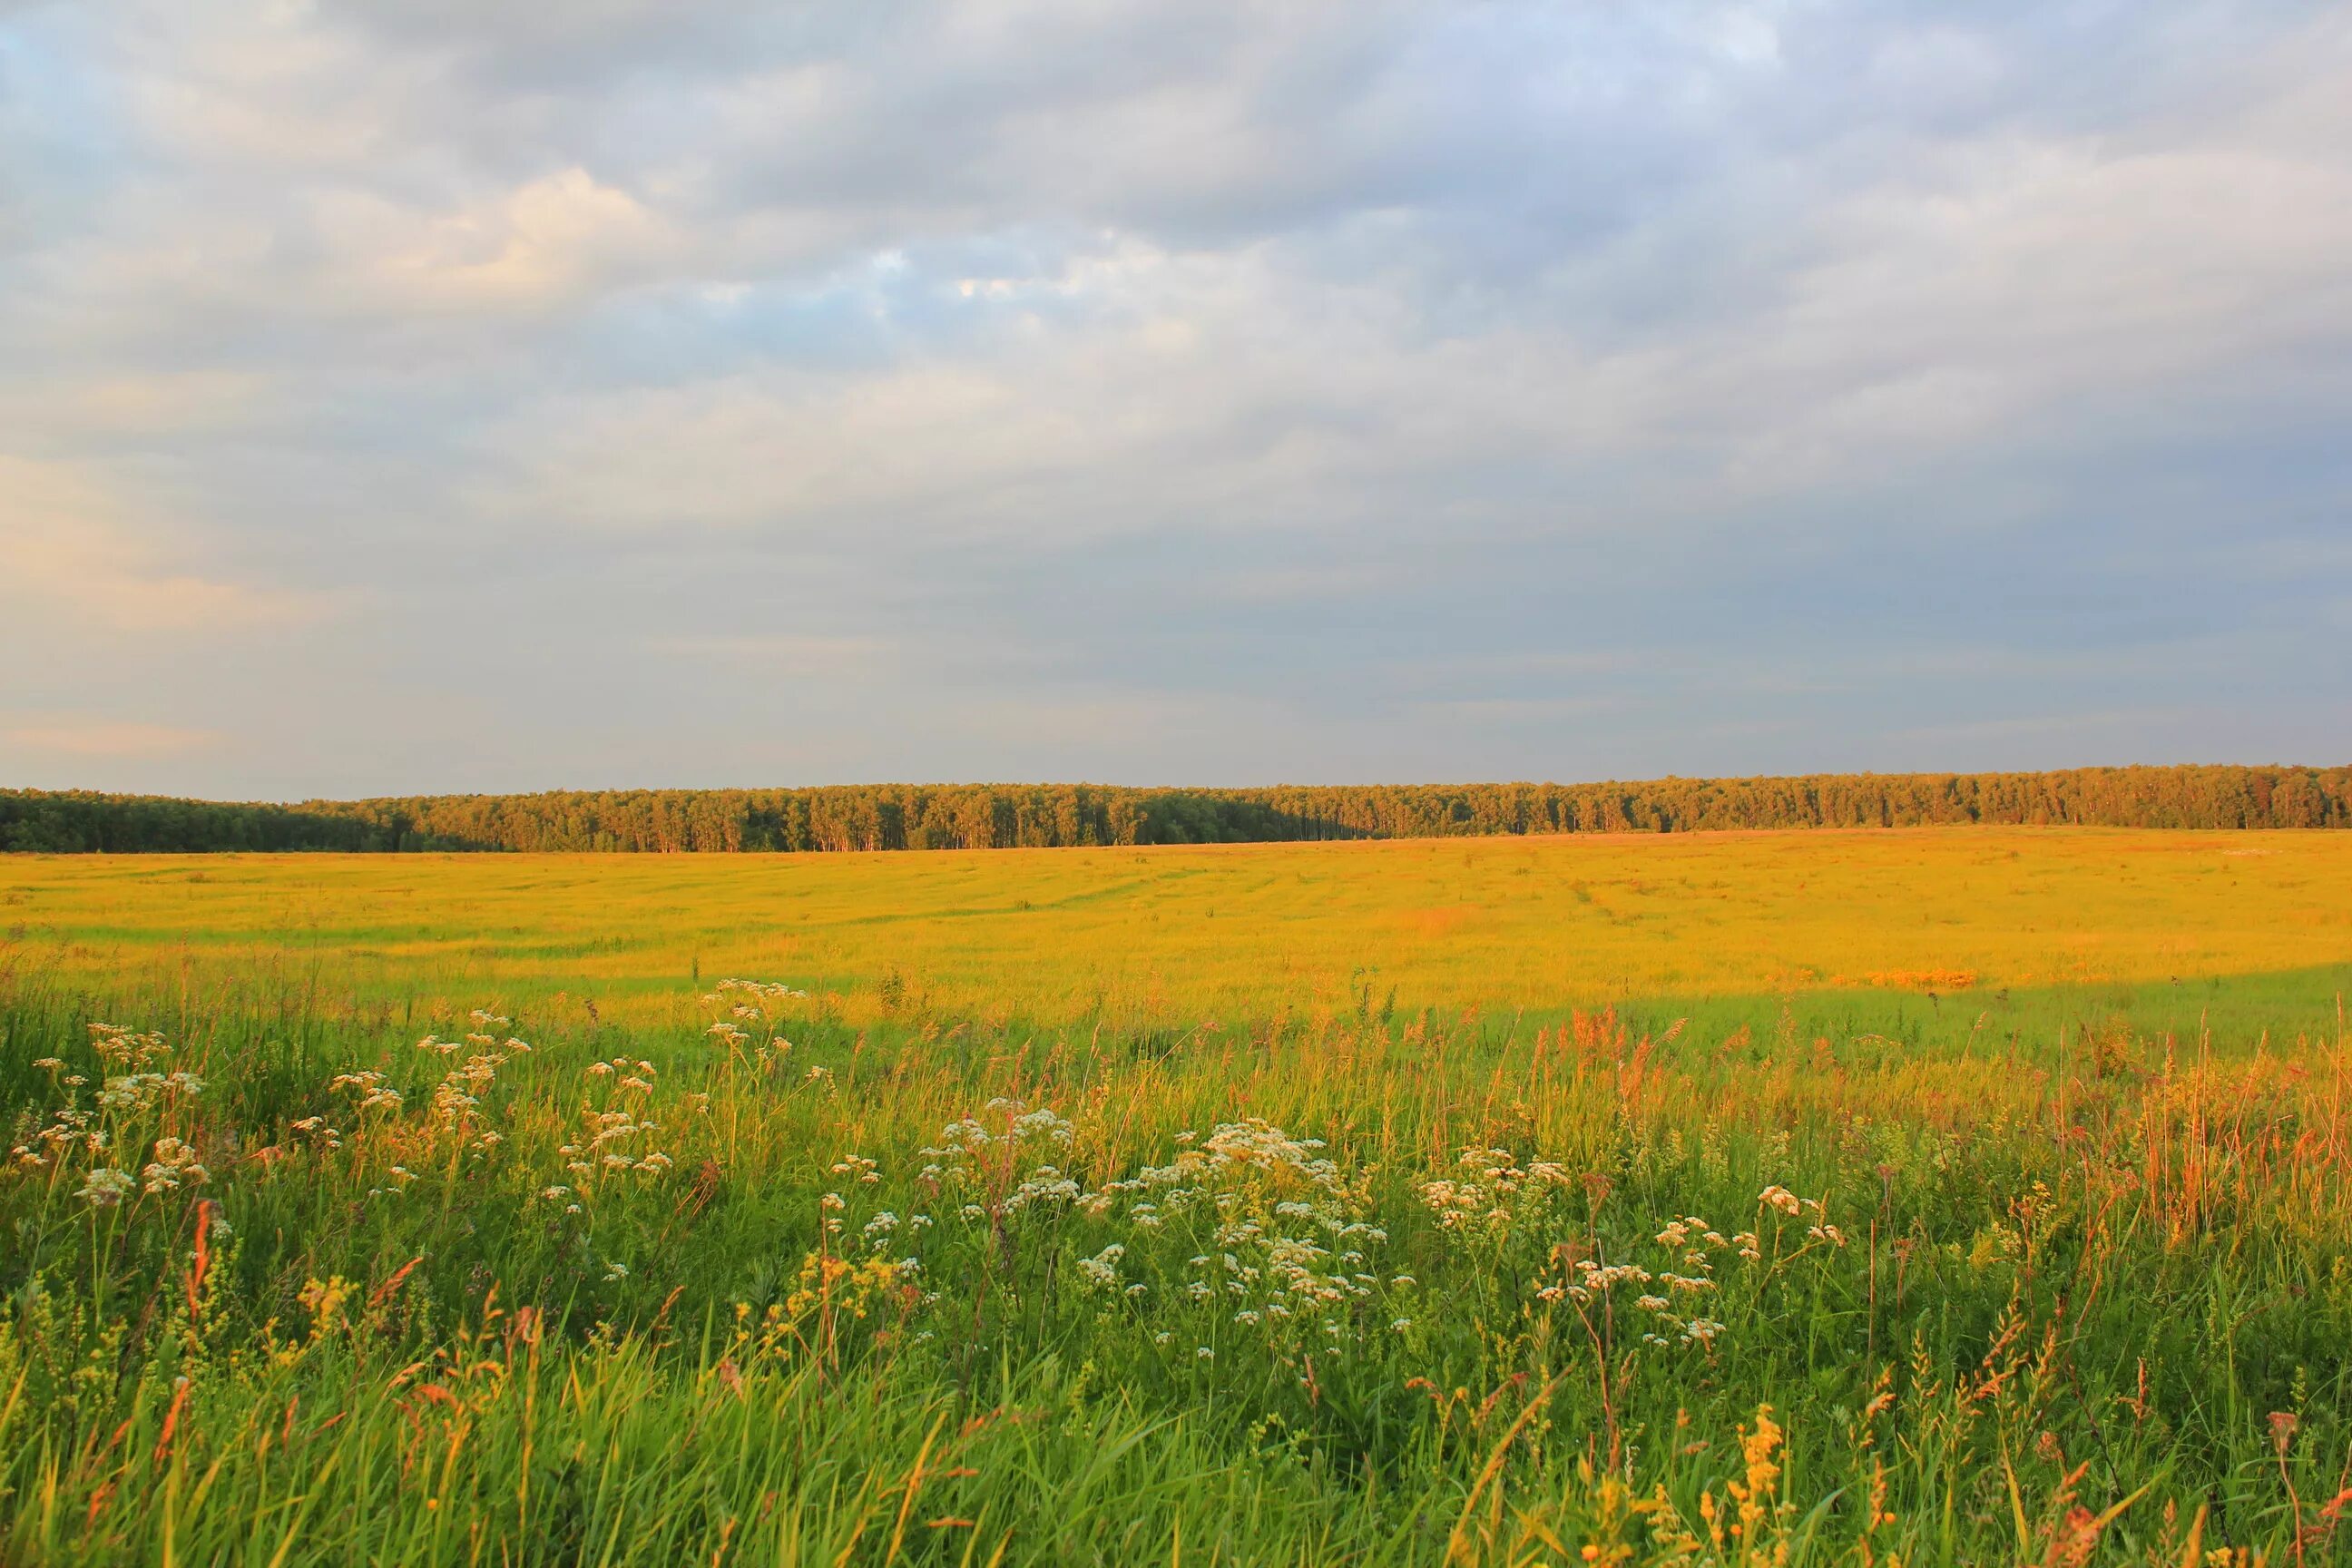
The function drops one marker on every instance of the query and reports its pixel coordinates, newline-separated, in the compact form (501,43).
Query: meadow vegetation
(1938,1198)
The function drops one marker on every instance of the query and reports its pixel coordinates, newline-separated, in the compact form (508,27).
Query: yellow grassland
(1224,931)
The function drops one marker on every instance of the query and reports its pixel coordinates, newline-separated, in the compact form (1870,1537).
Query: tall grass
(768,1277)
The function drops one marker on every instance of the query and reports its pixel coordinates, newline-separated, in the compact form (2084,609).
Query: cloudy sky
(434,395)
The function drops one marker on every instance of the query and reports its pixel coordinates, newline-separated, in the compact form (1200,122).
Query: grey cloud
(498,394)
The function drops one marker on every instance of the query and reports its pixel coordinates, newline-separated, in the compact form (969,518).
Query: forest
(988,815)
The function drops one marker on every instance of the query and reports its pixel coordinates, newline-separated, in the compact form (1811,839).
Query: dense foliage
(289,1284)
(983,817)
(1337,1237)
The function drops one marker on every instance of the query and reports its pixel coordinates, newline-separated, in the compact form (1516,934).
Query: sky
(419,396)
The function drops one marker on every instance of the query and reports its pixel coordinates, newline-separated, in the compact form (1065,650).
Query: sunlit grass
(1229,932)
(1951,1198)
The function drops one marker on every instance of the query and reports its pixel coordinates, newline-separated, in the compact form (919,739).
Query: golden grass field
(1231,930)
(1937,1197)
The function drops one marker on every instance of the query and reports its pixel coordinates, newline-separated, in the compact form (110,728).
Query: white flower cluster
(858,1168)
(1694,1247)
(1781,1200)
(972,1158)
(1287,1228)
(1101,1271)
(120,1046)
(756,995)
(105,1187)
(121,1115)
(371,1088)
(72,1125)
(614,1143)
(1494,1192)
(315,1128)
(749,1005)
(174,1162)
(457,1097)
(134,1094)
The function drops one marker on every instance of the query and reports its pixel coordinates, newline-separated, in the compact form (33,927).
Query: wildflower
(105,1187)
(132,1092)
(1044,1185)
(615,1271)
(174,1162)
(1101,1271)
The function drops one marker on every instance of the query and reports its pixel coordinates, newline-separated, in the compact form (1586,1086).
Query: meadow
(1919,1197)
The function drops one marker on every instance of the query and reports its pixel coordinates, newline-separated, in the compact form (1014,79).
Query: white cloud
(552,238)
(955,354)
(71,550)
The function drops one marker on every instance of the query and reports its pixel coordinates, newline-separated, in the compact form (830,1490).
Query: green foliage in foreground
(295,1290)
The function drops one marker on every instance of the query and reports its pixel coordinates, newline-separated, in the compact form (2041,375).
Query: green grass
(2089,1296)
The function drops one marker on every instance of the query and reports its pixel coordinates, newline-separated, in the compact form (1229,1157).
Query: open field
(1233,932)
(1947,1196)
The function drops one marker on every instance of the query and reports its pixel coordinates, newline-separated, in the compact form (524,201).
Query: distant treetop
(984,816)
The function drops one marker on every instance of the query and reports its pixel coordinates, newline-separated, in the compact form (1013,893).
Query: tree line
(983,817)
